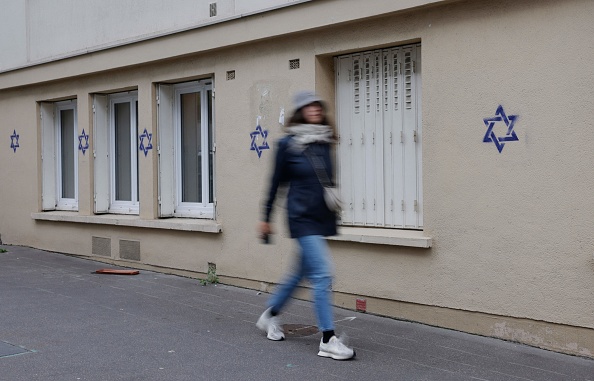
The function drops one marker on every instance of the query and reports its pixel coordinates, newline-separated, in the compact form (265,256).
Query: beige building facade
(463,158)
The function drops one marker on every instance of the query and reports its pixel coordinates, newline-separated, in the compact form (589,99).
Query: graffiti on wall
(83,147)
(499,120)
(256,135)
(14,141)
(149,137)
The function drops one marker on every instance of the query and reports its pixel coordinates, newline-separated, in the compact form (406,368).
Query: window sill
(184,224)
(378,236)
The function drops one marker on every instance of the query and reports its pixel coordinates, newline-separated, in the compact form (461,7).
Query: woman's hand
(264,229)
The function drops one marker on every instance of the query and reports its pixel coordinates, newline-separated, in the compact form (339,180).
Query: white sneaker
(271,325)
(335,349)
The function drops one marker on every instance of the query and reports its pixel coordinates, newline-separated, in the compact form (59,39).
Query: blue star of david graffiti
(14,141)
(509,121)
(149,137)
(83,147)
(254,146)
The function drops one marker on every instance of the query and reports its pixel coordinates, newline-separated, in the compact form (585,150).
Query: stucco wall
(511,231)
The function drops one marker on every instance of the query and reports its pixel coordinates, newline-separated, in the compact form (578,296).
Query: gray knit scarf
(304,134)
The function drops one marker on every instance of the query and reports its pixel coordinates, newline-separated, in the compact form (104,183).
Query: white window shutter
(379,119)
(392,140)
(362,67)
(368,148)
(345,87)
(387,204)
(166,146)
(376,202)
(101,152)
(48,157)
(419,124)
(399,139)
(410,137)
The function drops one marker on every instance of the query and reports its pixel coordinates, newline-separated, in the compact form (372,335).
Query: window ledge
(410,238)
(185,224)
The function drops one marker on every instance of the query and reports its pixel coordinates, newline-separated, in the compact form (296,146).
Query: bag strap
(319,168)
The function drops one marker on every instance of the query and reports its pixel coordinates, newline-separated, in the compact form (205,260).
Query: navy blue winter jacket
(306,209)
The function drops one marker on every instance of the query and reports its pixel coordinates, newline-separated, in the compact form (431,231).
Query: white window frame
(51,156)
(119,206)
(170,148)
(379,157)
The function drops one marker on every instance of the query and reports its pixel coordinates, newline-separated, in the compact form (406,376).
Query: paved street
(60,321)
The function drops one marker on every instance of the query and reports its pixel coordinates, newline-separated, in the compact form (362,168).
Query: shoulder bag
(331,196)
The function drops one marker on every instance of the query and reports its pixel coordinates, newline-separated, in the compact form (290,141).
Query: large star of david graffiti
(14,141)
(255,135)
(149,137)
(83,147)
(509,121)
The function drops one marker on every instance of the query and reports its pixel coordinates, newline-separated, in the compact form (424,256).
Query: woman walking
(303,155)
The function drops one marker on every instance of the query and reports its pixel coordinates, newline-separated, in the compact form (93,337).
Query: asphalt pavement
(60,321)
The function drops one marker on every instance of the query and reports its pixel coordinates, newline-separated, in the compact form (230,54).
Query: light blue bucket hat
(303,98)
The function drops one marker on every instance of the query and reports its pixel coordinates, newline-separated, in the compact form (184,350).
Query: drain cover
(299,330)
(10,350)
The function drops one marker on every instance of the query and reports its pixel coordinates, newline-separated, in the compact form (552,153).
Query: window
(186,150)
(378,100)
(116,153)
(59,155)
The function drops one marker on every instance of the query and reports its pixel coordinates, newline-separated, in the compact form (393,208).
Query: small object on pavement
(117,272)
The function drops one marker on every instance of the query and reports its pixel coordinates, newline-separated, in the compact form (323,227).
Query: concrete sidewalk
(60,321)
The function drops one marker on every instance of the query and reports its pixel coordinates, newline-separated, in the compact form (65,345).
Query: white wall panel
(13,34)
(40,30)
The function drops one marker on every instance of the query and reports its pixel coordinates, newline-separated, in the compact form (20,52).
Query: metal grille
(357,75)
(294,64)
(396,71)
(377,74)
(101,246)
(130,250)
(230,75)
(408,70)
(367,84)
(386,68)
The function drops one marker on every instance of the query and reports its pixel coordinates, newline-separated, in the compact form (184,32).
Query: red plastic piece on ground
(117,272)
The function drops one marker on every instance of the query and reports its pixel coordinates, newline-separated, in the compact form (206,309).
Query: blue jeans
(315,265)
